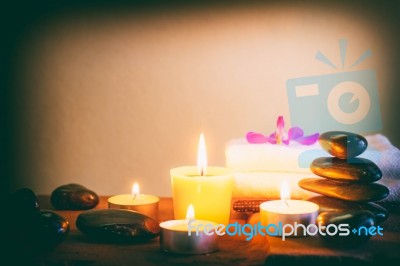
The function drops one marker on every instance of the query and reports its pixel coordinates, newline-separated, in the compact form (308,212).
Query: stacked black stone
(348,188)
(30,230)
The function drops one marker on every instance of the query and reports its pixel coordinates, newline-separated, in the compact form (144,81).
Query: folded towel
(246,157)
(387,157)
(267,185)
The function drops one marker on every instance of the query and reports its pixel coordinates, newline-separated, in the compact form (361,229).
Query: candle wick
(286,202)
(202,172)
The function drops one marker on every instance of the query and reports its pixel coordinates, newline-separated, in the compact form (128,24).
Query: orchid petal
(295,133)
(308,140)
(280,136)
(253,137)
(280,123)
(280,130)
(271,140)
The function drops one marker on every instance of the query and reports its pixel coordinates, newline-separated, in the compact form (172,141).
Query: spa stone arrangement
(347,189)
(29,229)
(33,230)
(347,186)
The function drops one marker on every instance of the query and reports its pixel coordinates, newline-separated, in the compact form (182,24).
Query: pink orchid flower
(280,136)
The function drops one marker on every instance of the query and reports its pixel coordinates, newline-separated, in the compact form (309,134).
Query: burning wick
(135,190)
(202,156)
(190,214)
(285,193)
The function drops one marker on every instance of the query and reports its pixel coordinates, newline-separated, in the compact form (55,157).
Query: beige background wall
(112,97)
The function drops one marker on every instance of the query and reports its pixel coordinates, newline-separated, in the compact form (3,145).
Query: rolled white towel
(248,157)
(267,185)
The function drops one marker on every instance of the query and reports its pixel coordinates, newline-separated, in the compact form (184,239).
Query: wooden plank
(78,249)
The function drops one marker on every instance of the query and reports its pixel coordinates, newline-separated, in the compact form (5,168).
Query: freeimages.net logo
(345,101)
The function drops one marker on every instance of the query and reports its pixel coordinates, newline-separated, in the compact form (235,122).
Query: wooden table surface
(78,249)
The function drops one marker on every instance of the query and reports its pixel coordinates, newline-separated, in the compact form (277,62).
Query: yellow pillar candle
(208,189)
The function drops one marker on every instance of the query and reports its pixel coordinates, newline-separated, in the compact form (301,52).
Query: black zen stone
(343,144)
(73,197)
(120,226)
(345,191)
(357,224)
(352,170)
(327,204)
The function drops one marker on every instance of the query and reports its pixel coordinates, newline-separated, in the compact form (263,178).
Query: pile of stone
(348,188)
(28,229)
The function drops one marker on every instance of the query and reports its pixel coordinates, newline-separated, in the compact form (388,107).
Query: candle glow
(135,190)
(285,191)
(288,212)
(190,213)
(183,236)
(202,156)
(209,188)
(134,201)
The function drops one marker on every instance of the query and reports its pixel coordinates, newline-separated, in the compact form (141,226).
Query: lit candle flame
(285,192)
(202,156)
(190,213)
(135,190)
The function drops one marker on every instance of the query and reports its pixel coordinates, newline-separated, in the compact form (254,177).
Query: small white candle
(145,204)
(177,237)
(288,212)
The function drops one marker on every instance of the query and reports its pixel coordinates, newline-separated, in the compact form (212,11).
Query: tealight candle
(209,189)
(145,204)
(291,212)
(177,237)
